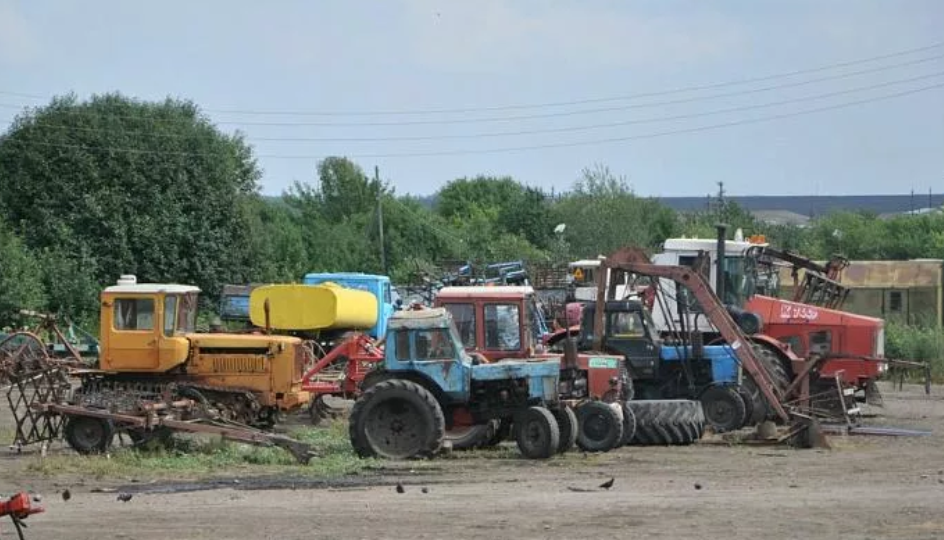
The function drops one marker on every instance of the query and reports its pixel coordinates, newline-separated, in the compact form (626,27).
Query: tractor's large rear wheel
(667,422)
(776,368)
(88,435)
(600,426)
(755,405)
(567,425)
(724,408)
(397,419)
(537,433)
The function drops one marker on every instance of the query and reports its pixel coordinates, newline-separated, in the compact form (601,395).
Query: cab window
(170,315)
(821,342)
(502,327)
(134,314)
(464,317)
(403,345)
(625,324)
(434,345)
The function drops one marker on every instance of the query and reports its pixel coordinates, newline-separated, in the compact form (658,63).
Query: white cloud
(18,43)
(495,35)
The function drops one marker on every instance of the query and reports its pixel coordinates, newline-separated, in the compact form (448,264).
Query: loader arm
(635,261)
(820,286)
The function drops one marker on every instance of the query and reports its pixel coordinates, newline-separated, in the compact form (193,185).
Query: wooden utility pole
(380,219)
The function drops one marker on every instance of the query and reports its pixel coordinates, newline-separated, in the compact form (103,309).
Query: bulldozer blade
(873,396)
(808,433)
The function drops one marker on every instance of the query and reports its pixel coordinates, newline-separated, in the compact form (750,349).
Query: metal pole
(719,261)
(380,219)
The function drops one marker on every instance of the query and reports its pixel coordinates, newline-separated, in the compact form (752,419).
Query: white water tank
(127,279)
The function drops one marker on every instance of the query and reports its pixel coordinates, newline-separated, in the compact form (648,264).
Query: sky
(805,97)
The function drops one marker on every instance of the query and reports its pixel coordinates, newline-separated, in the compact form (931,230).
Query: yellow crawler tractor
(155,370)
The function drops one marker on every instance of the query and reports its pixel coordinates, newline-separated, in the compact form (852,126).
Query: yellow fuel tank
(313,307)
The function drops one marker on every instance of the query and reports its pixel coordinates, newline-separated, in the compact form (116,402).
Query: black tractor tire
(629,424)
(397,419)
(567,425)
(724,408)
(470,437)
(754,401)
(775,366)
(667,422)
(537,433)
(600,427)
(88,435)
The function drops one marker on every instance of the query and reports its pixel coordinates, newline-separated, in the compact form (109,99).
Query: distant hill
(812,206)
(794,208)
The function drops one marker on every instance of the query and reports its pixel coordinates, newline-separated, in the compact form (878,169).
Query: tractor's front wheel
(568,426)
(601,427)
(537,433)
(397,419)
(724,408)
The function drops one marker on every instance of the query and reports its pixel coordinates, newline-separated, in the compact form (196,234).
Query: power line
(583,101)
(536,116)
(698,129)
(519,132)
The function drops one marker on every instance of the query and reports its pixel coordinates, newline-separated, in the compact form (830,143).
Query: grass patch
(193,458)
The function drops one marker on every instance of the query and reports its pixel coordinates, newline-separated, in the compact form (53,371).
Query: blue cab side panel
(724,365)
(377,285)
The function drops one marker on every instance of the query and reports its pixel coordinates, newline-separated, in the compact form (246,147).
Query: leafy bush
(917,343)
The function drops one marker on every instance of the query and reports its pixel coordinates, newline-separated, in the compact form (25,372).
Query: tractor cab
(144,326)
(629,332)
(498,322)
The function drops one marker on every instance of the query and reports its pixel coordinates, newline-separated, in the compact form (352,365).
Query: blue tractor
(660,370)
(427,383)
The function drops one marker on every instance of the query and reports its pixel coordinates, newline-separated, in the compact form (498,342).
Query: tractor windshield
(435,344)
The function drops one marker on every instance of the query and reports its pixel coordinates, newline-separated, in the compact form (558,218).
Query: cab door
(131,338)
(626,335)
(172,347)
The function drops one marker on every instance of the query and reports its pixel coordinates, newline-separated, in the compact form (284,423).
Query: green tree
(602,214)
(150,188)
(21,285)
(345,190)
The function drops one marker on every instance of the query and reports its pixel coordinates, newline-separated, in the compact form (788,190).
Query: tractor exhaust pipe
(719,261)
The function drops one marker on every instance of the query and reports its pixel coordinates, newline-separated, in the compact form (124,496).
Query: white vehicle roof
(128,284)
(484,290)
(151,288)
(590,263)
(706,244)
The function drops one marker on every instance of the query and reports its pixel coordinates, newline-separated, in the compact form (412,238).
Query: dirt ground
(864,487)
